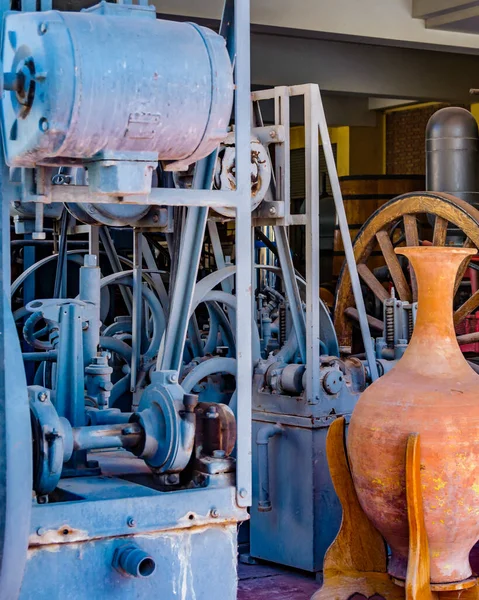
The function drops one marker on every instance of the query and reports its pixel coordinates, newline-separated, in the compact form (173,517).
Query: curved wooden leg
(418,570)
(355,564)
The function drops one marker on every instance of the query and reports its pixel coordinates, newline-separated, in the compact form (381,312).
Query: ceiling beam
(350,68)
(464,21)
(423,9)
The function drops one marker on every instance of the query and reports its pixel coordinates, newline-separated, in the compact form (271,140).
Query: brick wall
(405,140)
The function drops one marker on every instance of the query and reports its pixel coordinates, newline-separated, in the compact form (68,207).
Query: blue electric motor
(102,89)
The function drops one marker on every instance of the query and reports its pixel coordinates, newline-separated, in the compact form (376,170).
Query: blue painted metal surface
(115,90)
(170,104)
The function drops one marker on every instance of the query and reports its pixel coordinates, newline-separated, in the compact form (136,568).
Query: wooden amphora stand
(355,566)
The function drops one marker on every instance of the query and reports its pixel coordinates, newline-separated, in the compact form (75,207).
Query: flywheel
(403,221)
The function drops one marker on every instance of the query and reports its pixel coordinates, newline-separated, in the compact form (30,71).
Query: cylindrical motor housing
(452,152)
(112,83)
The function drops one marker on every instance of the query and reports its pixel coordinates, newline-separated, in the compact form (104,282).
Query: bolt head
(42,396)
(41,531)
(43,124)
(173,378)
(131,522)
(42,28)
(272,210)
(215,513)
(243,493)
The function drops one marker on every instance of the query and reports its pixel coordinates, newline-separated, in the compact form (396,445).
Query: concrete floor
(267,582)
(271,582)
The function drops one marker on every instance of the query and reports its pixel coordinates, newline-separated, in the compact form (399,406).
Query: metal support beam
(345,235)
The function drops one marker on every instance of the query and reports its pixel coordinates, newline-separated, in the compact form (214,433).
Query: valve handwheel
(404,213)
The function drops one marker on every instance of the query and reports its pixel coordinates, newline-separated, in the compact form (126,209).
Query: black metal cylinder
(452,152)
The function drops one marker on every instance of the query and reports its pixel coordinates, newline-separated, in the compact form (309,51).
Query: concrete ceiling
(371,21)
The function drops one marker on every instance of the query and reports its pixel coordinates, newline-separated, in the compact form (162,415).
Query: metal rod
(343,226)
(292,290)
(137,306)
(102,437)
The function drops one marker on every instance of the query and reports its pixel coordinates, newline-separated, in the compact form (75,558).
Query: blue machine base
(191,534)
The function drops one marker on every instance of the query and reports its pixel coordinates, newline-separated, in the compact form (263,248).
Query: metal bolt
(42,396)
(41,531)
(272,210)
(131,522)
(42,28)
(173,378)
(243,493)
(155,218)
(43,124)
(212,413)
(215,513)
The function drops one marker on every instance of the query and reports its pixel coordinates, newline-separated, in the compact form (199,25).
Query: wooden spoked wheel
(404,222)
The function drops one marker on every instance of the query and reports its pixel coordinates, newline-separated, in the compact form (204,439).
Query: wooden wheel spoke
(394,266)
(412,239)
(463,268)
(372,282)
(440,232)
(375,324)
(467,308)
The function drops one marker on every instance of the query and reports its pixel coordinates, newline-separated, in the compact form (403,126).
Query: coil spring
(282,324)
(410,324)
(389,309)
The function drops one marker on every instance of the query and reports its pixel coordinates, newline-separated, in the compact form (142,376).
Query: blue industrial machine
(116,479)
(126,451)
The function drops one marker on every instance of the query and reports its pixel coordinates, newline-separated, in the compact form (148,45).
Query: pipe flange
(52,444)
(168,426)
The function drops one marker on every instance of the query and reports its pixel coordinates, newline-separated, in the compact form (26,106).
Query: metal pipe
(263,436)
(102,437)
(132,560)
(90,292)
(50,356)
(117,346)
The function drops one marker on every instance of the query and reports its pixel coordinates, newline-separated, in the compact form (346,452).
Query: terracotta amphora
(434,392)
